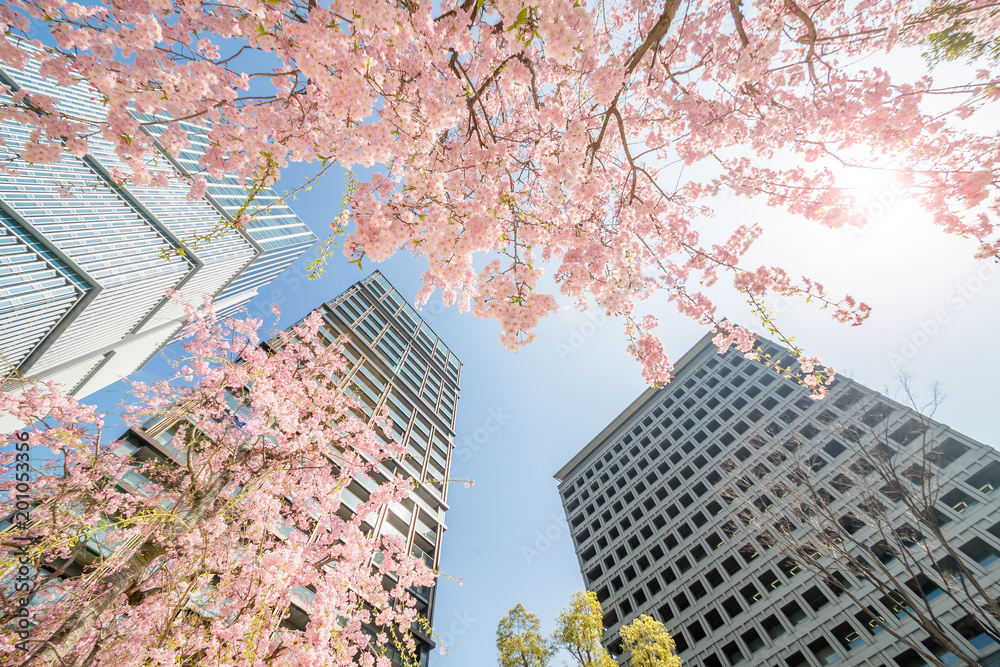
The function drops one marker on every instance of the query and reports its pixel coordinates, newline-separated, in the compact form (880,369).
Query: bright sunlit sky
(935,316)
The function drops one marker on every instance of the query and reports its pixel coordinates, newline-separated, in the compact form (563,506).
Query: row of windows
(847,637)
(848,398)
(427,445)
(422,379)
(984,481)
(693,419)
(944,454)
(633,558)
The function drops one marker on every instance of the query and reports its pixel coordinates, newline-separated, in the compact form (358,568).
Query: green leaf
(522,16)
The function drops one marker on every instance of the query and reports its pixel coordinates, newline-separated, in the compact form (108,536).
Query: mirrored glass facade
(83,275)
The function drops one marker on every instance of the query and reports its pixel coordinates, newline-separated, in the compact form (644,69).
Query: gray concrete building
(675,505)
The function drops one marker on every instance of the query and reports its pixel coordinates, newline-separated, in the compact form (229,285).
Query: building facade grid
(397,363)
(653,505)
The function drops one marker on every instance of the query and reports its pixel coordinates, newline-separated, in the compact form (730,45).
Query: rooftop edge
(633,407)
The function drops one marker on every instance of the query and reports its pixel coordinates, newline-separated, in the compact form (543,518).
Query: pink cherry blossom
(204,554)
(521,152)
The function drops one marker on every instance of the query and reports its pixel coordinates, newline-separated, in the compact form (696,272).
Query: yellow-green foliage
(520,642)
(650,644)
(579,628)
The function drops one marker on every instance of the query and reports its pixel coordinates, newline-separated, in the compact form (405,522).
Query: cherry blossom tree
(584,141)
(118,561)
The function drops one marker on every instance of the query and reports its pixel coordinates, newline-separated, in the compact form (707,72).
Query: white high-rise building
(83,278)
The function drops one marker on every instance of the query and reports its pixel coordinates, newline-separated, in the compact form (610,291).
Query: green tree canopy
(578,630)
(520,642)
(650,643)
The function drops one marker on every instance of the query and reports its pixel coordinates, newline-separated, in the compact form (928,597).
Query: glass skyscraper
(396,362)
(83,277)
(278,235)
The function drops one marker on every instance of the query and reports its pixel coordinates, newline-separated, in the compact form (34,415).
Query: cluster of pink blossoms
(545,137)
(202,558)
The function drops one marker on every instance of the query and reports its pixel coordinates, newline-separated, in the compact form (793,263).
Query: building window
(848,398)
(670,542)
(773,627)
(838,583)
(823,651)
(941,653)
(732,607)
(871,620)
(980,552)
(848,636)
(769,580)
(877,414)
(733,653)
(814,598)
(947,452)
(973,632)
(908,431)
(793,612)
(788,567)
(809,431)
(697,632)
(750,594)
(987,480)
(958,500)
(834,448)
(797,660)
(752,640)
(895,604)
(714,619)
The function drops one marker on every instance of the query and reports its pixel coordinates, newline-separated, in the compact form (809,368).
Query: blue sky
(522,416)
